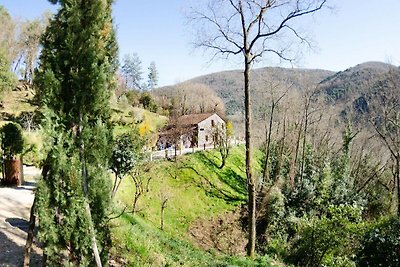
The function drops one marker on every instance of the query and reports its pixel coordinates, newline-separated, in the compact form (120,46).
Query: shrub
(148,102)
(330,240)
(12,141)
(133,97)
(381,244)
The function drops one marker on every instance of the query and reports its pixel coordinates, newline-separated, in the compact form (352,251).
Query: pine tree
(132,71)
(153,75)
(74,80)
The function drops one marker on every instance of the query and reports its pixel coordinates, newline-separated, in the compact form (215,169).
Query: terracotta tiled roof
(174,131)
(192,119)
(184,124)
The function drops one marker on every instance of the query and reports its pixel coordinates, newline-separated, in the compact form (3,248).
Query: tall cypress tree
(74,82)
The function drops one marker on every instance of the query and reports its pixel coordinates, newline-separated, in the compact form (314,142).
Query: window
(212,123)
(201,129)
(206,138)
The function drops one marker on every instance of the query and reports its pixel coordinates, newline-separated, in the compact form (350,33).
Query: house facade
(193,130)
(208,129)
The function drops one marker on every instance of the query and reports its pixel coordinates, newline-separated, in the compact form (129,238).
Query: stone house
(193,130)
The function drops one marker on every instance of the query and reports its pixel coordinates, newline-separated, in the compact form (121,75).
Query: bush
(381,244)
(12,141)
(148,102)
(330,240)
(133,97)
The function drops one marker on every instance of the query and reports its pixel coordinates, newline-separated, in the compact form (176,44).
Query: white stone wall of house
(207,128)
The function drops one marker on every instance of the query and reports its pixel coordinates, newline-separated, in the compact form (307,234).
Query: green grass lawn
(196,188)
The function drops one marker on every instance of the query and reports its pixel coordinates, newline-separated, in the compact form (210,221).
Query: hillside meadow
(196,190)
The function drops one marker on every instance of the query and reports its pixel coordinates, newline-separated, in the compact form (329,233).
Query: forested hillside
(229,84)
(344,93)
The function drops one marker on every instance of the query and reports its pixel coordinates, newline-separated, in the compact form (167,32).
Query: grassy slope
(197,188)
(15,102)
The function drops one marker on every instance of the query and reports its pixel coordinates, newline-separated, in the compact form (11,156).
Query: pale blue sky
(355,32)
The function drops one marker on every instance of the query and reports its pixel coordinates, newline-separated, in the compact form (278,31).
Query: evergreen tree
(132,71)
(74,80)
(153,75)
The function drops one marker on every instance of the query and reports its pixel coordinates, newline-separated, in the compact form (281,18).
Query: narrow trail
(15,204)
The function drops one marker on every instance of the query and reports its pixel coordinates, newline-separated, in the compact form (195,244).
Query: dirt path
(15,204)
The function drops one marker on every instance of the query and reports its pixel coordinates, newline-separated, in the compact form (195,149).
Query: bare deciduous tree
(164,197)
(268,129)
(385,119)
(187,98)
(250,28)
(142,183)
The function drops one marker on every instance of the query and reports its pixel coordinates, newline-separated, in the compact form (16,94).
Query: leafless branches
(254,27)
(250,28)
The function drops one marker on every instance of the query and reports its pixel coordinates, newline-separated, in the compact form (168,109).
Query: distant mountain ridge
(229,84)
(355,80)
(348,90)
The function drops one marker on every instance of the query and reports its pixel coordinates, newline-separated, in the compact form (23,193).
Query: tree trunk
(3,171)
(268,137)
(293,161)
(398,183)
(135,200)
(163,206)
(250,179)
(224,152)
(86,195)
(12,172)
(115,186)
(304,144)
(223,162)
(176,154)
(89,214)
(29,239)
(21,168)
(282,147)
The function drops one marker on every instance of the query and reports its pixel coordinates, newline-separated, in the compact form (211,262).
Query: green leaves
(74,81)
(381,244)
(328,240)
(126,154)
(7,78)
(12,141)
